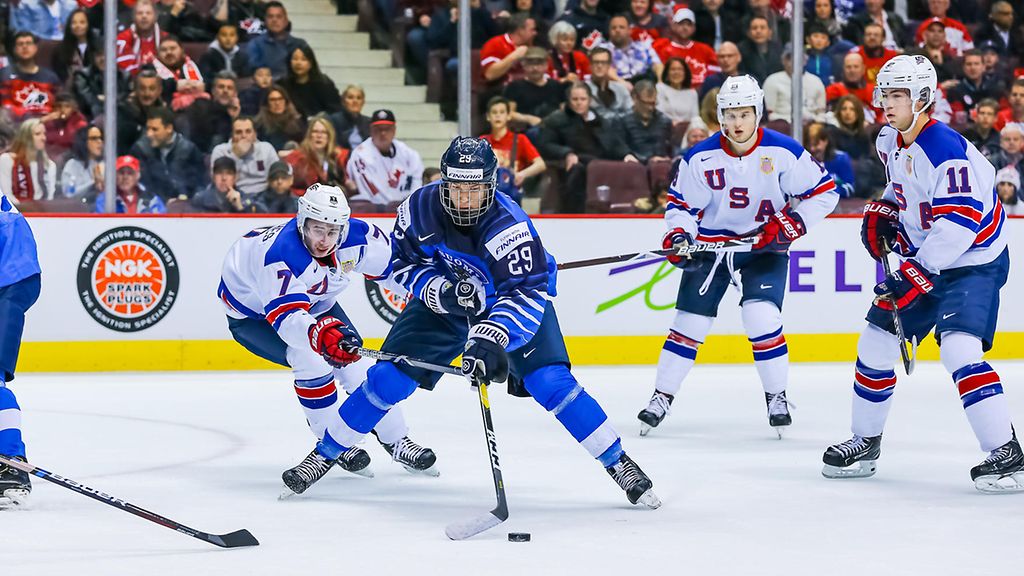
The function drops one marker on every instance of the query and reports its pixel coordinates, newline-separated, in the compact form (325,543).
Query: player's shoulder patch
(709,144)
(773,139)
(508,239)
(941,144)
(289,250)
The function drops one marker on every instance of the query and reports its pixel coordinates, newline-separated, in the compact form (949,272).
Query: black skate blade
(862,469)
(993,484)
(237,539)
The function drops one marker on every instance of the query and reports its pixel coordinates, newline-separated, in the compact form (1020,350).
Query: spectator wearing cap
(138,44)
(958,38)
(1015,111)
(62,125)
(717,23)
(610,94)
(385,170)
(225,54)
(587,18)
(778,93)
(936,48)
(132,196)
(632,60)
(818,53)
(171,164)
(729,61)
(873,50)
(973,87)
(500,56)
(312,91)
(1011,146)
(645,129)
(278,197)
(700,57)
(1008,190)
(221,195)
(566,64)
(875,13)
(26,88)
(576,135)
(761,54)
(536,95)
(999,31)
(44,18)
(275,48)
(982,133)
(252,158)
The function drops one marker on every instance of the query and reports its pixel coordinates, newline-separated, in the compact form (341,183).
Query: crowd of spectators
(224,109)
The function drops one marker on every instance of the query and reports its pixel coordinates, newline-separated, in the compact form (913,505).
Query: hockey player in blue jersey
(279,286)
(19,289)
(469,255)
(738,183)
(940,214)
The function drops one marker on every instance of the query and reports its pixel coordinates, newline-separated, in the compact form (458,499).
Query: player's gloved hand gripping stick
(909,357)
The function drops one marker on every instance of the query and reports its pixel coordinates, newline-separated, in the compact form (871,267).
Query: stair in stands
(344,54)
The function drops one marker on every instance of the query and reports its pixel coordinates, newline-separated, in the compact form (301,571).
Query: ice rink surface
(208,449)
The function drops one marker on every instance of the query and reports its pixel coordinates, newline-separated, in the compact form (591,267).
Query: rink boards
(140,293)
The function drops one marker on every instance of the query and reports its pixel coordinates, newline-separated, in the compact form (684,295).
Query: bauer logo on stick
(128,279)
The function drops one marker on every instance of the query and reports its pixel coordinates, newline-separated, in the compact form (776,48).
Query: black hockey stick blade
(233,540)
(738,244)
(909,358)
(469,528)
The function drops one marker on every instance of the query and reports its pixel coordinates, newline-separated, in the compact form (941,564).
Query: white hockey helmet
(915,74)
(740,92)
(327,204)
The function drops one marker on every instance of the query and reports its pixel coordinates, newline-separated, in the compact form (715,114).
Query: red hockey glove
(904,286)
(880,223)
(336,341)
(781,229)
(676,238)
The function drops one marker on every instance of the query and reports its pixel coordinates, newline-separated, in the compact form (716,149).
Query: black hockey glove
(485,355)
(462,298)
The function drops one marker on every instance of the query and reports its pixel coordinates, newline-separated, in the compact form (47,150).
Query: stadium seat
(658,171)
(850,206)
(181,207)
(627,182)
(69,205)
(678,133)
(195,50)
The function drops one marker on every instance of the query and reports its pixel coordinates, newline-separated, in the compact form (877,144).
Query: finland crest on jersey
(949,213)
(269,273)
(720,196)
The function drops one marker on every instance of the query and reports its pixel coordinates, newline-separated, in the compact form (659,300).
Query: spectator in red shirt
(515,152)
(958,38)
(937,49)
(138,44)
(566,64)
(26,88)
(873,50)
(645,21)
(1015,112)
(62,124)
(854,83)
(699,56)
(500,56)
(180,74)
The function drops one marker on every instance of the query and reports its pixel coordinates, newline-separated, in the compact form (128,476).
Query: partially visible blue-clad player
(470,255)
(19,289)
(941,215)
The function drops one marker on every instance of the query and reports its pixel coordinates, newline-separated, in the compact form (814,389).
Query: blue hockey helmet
(468,172)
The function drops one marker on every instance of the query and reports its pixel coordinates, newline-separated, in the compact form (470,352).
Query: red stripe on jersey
(284,308)
(966,211)
(988,231)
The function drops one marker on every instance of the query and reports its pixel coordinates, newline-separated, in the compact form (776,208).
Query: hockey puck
(518,536)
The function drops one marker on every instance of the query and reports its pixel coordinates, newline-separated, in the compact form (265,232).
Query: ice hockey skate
(15,486)
(656,411)
(638,487)
(413,457)
(357,461)
(854,458)
(1002,472)
(778,411)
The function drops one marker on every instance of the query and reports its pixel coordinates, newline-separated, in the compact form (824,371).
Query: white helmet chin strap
(913,121)
(736,142)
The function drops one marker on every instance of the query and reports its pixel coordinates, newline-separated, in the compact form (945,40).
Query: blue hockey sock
(558,392)
(385,386)
(10,424)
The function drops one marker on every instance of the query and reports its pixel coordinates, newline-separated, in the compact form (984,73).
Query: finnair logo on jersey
(505,242)
(472,174)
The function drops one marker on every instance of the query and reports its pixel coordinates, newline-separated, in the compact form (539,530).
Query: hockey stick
(909,358)
(473,526)
(233,540)
(403,359)
(738,244)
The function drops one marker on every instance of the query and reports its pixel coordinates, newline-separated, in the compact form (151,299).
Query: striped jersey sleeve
(959,206)
(686,199)
(519,268)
